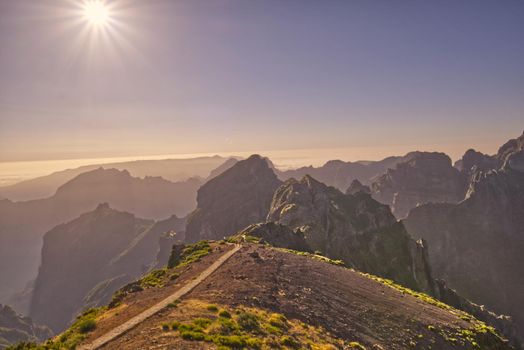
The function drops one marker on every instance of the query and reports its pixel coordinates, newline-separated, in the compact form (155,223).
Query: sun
(96,12)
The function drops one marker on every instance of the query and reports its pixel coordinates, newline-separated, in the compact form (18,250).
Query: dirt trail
(136,320)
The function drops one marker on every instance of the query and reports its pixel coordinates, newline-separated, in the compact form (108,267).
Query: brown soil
(135,303)
(349,305)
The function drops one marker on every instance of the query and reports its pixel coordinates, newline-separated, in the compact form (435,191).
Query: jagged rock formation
(477,245)
(340,174)
(473,161)
(238,197)
(422,178)
(510,148)
(15,328)
(356,187)
(353,228)
(22,224)
(84,261)
(278,235)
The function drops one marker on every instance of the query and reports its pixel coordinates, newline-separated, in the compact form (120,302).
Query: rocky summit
(356,186)
(423,177)
(236,198)
(353,228)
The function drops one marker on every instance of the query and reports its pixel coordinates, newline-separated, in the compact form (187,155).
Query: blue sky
(236,75)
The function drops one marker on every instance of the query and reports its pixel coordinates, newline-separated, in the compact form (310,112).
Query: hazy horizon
(14,172)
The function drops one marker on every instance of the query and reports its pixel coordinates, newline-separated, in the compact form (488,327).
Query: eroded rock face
(16,328)
(238,197)
(473,161)
(85,260)
(510,147)
(477,245)
(423,178)
(353,228)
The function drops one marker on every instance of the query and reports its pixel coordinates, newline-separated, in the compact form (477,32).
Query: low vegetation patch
(247,328)
(84,324)
(316,256)
(478,335)
(194,252)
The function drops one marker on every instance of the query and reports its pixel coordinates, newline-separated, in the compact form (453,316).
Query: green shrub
(202,322)
(286,340)
(224,313)
(211,307)
(279,321)
(248,322)
(87,326)
(356,345)
(192,335)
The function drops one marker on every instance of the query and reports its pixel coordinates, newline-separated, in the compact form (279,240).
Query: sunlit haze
(101,79)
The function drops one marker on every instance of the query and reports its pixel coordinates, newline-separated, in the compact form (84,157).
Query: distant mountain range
(174,170)
(23,224)
(468,215)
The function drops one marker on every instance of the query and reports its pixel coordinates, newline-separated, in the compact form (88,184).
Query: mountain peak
(236,198)
(103,207)
(356,187)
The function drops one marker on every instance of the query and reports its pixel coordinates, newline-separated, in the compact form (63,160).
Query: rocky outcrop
(473,161)
(477,245)
(510,147)
(84,261)
(15,328)
(238,197)
(423,177)
(511,154)
(277,235)
(353,228)
(356,187)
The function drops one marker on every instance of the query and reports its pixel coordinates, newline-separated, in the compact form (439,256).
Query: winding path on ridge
(136,320)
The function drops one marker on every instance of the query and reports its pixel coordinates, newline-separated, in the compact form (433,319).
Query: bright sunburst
(96,12)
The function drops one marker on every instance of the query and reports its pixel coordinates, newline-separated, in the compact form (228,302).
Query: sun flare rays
(96,12)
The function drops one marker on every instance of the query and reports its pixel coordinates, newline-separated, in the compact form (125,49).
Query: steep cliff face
(477,245)
(353,228)
(16,328)
(84,261)
(238,197)
(424,177)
